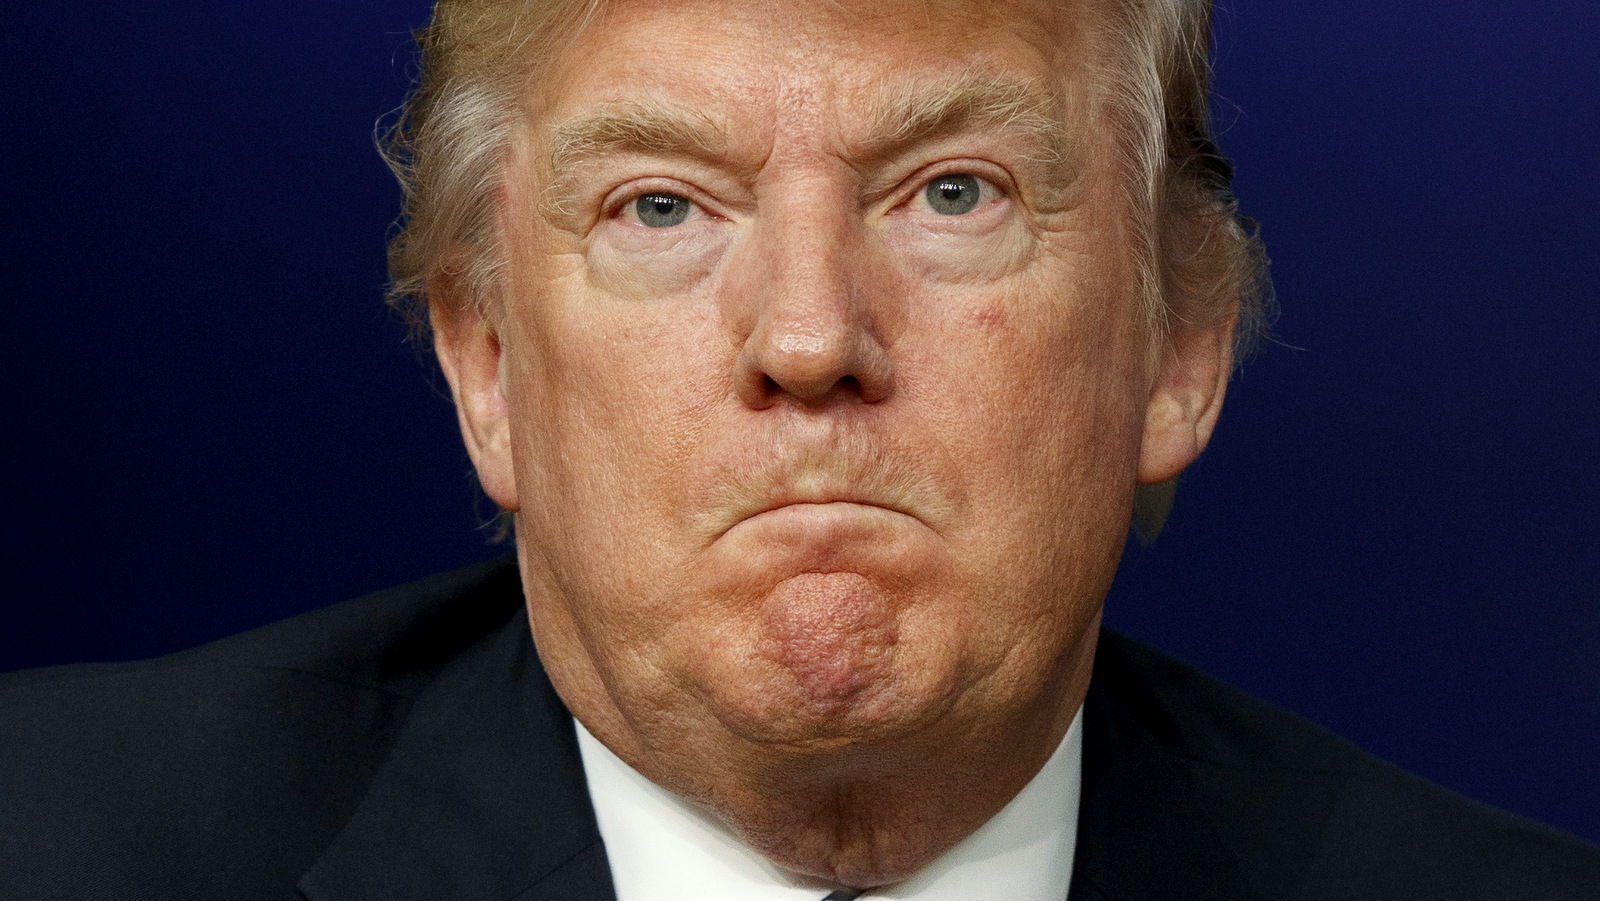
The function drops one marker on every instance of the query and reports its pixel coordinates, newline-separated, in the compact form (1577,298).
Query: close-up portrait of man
(817,359)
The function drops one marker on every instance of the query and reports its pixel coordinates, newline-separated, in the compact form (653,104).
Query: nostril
(813,367)
(821,392)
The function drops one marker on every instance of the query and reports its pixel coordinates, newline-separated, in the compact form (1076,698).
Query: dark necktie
(843,894)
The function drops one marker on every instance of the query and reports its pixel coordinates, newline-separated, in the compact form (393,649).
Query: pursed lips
(776,501)
(843,467)
(825,502)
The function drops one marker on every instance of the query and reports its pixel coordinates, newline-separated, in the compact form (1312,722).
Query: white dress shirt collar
(662,848)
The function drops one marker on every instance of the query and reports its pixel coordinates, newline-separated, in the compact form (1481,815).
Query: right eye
(661,210)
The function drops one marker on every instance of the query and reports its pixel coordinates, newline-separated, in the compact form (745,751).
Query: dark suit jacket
(407,746)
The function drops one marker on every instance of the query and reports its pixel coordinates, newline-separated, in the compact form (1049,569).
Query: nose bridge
(813,293)
(812,334)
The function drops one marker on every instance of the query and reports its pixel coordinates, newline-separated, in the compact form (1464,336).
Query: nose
(814,311)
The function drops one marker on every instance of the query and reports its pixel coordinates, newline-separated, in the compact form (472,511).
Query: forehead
(828,64)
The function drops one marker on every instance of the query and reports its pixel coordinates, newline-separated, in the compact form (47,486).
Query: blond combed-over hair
(447,144)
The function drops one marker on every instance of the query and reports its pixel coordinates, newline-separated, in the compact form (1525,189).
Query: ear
(469,353)
(1185,398)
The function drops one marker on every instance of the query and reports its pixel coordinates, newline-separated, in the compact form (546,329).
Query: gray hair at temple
(1198,260)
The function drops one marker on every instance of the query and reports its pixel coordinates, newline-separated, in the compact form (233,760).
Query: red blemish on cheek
(988,318)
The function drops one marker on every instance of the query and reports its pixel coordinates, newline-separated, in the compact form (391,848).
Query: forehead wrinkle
(647,127)
(902,116)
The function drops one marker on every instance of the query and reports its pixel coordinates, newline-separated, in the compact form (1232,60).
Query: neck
(873,820)
(863,814)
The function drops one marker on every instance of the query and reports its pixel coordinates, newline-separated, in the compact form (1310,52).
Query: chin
(831,662)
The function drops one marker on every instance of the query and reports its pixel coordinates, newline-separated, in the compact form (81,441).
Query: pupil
(950,191)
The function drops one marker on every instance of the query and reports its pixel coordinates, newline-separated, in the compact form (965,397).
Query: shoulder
(1304,813)
(388,640)
(264,740)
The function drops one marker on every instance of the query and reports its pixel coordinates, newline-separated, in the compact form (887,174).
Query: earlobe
(1185,398)
(470,354)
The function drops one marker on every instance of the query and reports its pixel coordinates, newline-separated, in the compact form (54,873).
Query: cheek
(1038,388)
(1045,408)
(609,399)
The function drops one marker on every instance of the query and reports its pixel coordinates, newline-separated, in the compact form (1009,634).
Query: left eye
(954,194)
(661,210)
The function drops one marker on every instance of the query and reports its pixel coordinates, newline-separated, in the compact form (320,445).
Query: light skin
(820,474)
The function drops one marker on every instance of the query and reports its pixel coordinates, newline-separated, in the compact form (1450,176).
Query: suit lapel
(482,799)
(1143,831)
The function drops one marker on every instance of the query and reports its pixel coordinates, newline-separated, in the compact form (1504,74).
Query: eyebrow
(899,117)
(903,116)
(635,127)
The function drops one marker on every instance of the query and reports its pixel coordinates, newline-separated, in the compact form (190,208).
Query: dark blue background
(212,422)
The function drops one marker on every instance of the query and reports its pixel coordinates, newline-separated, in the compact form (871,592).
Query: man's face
(823,381)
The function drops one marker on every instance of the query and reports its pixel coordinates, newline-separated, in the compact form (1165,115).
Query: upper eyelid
(708,188)
(620,197)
